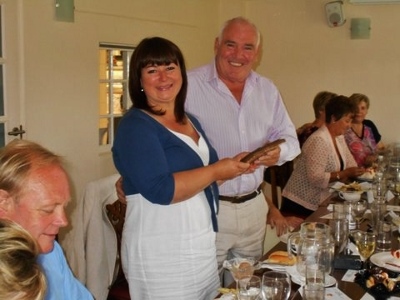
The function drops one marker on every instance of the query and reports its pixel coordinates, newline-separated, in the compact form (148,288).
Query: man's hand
(270,158)
(120,191)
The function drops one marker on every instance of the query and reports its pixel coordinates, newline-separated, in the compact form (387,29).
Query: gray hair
(243,21)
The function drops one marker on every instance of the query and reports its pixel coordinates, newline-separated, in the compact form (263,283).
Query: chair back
(277,177)
(119,290)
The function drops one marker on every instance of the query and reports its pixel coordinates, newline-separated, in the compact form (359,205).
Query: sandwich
(281,258)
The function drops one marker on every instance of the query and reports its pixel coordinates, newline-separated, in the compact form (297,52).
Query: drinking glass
(276,285)
(315,274)
(326,256)
(338,211)
(340,233)
(313,292)
(365,242)
(359,209)
(378,210)
(249,287)
(384,236)
(240,267)
(315,282)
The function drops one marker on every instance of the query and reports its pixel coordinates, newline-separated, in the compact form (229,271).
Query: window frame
(112,73)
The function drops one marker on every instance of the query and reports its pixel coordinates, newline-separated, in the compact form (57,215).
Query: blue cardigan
(146,154)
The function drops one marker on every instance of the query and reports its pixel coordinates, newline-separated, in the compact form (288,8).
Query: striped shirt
(233,128)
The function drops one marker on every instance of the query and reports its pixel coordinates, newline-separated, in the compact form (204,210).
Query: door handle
(17,131)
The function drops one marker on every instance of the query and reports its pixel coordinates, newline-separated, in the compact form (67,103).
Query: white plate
(386,260)
(300,280)
(365,186)
(367,176)
(365,179)
(228,296)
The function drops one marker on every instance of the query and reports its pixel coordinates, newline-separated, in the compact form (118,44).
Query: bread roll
(281,258)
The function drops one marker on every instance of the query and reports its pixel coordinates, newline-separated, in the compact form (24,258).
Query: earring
(141,90)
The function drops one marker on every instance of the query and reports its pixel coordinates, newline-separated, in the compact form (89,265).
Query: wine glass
(249,287)
(240,268)
(359,209)
(276,285)
(365,242)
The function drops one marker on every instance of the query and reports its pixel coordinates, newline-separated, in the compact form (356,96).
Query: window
(113,89)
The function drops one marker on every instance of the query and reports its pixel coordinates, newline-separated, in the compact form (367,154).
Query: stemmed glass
(275,285)
(240,268)
(249,288)
(365,242)
(359,209)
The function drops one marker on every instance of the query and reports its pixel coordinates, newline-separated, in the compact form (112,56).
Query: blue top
(146,154)
(61,283)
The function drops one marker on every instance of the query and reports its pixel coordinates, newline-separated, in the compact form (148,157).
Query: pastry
(281,258)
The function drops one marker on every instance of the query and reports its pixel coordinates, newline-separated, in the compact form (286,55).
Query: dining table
(350,288)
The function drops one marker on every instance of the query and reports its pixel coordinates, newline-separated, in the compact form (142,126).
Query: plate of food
(368,175)
(379,282)
(387,260)
(360,187)
(281,258)
(227,294)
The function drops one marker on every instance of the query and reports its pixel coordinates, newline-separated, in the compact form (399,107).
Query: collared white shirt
(233,128)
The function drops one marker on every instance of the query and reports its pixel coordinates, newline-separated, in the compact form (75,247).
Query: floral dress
(361,146)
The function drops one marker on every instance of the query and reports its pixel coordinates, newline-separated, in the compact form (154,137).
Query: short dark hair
(337,107)
(156,51)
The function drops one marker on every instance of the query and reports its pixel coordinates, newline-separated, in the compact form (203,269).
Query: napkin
(349,275)
(353,248)
(327,216)
(365,186)
(336,186)
(228,296)
(274,267)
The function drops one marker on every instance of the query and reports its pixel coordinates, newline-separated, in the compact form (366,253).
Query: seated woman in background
(21,277)
(325,158)
(319,103)
(363,137)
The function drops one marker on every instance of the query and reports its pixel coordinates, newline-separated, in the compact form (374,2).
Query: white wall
(61,67)
(303,56)
(300,53)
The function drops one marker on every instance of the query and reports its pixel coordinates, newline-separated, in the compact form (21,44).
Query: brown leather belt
(241,199)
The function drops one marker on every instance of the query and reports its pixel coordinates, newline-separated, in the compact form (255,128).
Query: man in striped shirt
(240,110)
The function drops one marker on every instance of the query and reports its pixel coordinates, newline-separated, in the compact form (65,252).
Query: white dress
(168,251)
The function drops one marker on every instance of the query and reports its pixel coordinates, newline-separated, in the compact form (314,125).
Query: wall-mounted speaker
(334,13)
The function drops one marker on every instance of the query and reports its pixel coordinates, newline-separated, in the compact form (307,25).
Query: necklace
(358,129)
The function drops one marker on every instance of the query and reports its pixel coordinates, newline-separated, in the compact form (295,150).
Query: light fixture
(64,10)
(360,28)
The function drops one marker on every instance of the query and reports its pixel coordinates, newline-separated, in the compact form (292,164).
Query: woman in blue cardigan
(170,174)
